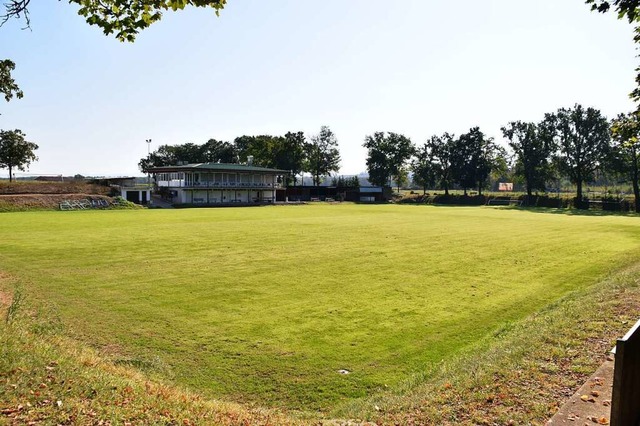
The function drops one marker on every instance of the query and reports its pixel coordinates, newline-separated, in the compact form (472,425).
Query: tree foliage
(629,10)
(584,141)
(345,182)
(262,148)
(15,151)
(442,152)
(323,156)
(423,167)
(533,146)
(291,155)
(388,154)
(122,18)
(215,151)
(8,86)
(288,152)
(280,152)
(625,131)
(212,151)
(474,158)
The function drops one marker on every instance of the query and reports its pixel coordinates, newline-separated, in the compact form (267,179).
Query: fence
(625,402)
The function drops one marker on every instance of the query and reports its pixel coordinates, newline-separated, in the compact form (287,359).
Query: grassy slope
(46,378)
(255,304)
(518,375)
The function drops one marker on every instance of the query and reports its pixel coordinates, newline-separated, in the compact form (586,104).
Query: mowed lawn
(266,305)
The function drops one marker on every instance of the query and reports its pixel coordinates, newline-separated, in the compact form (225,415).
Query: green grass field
(265,305)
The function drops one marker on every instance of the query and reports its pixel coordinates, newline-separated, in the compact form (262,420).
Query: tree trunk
(479,189)
(579,195)
(424,190)
(465,192)
(636,193)
(10,174)
(636,186)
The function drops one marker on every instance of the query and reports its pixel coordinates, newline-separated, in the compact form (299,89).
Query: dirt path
(69,194)
(591,404)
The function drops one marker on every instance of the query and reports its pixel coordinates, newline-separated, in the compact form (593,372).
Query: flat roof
(216,167)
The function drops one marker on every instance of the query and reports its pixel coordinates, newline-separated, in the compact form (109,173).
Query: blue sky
(417,67)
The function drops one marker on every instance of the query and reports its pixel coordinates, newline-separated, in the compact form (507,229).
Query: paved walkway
(591,405)
(159,202)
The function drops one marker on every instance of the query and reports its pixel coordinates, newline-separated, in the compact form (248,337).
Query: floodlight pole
(148,141)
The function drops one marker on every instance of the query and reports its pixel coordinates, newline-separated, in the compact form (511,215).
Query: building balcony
(218,185)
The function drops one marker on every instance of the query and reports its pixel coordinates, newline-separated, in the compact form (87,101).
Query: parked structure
(216,183)
(362,194)
(128,187)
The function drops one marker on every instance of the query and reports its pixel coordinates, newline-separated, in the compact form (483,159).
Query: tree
(533,146)
(463,171)
(212,151)
(124,18)
(584,142)
(323,156)
(290,154)
(8,86)
(15,151)
(442,152)
(262,148)
(474,157)
(625,130)
(423,167)
(401,178)
(387,156)
(378,165)
(626,9)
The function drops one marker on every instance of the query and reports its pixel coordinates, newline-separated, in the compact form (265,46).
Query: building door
(133,196)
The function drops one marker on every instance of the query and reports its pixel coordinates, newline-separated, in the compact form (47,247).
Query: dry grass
(26,202)
(519,376)
(523,374)
(46,378)
(36,187)
(518,372)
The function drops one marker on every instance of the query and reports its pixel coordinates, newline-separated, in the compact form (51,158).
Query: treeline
(317,155)
(576,143)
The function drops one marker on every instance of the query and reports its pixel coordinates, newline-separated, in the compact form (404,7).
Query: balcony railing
(218,185)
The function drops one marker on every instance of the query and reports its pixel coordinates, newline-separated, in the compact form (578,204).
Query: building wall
(218,196)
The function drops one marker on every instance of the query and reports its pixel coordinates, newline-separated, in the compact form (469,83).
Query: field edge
(524,371)
(521,373)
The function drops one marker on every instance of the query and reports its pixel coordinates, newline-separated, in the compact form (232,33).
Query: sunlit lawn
(266,305)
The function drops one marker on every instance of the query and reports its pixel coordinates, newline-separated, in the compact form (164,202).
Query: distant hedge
(548,201)
(457,200)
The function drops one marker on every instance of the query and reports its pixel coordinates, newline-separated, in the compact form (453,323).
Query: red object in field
(505,186)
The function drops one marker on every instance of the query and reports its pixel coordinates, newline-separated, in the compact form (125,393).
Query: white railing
(221,185)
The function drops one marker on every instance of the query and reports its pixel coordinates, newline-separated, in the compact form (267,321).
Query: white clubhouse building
(218,183)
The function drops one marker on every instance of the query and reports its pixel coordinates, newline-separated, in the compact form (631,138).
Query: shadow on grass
(545,210)
(568,212)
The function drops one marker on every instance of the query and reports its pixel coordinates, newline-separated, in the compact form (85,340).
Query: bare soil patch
(18,202)
(33,187)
